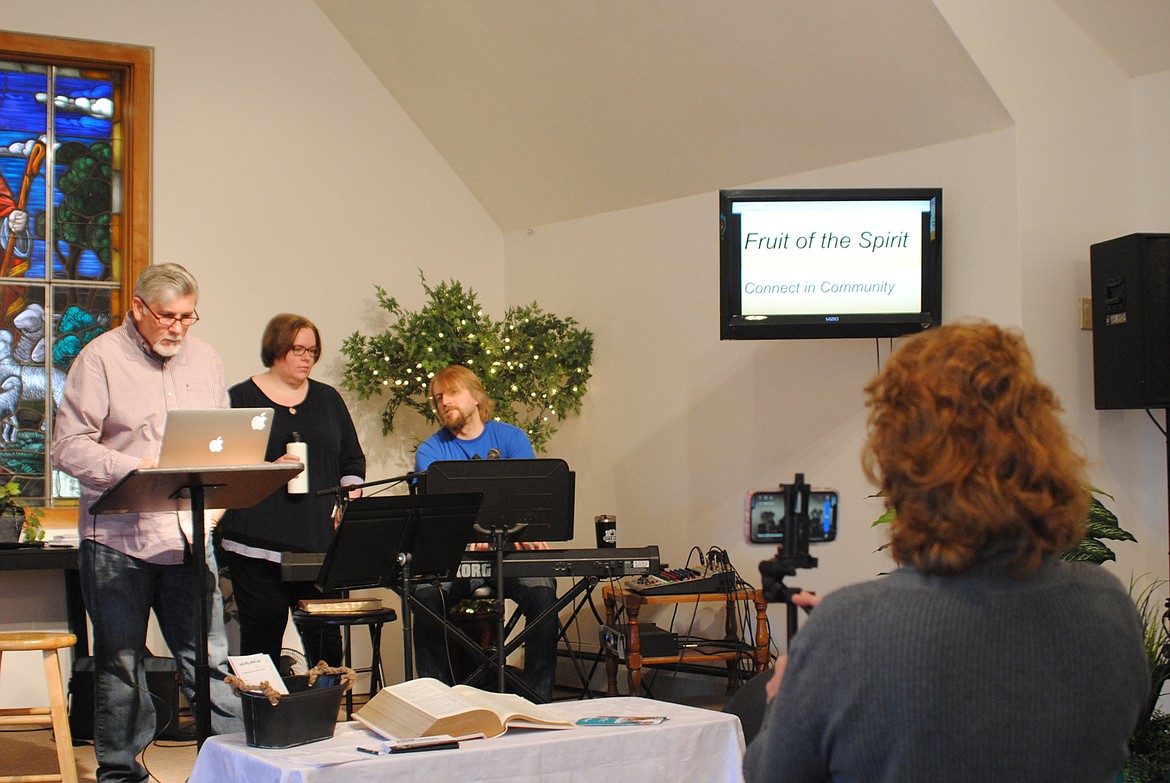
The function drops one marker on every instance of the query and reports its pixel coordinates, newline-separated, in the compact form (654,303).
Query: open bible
(426,707)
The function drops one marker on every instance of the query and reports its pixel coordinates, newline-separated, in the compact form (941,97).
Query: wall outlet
(1086,313)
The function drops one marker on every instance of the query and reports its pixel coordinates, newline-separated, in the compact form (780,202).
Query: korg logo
(1114,319)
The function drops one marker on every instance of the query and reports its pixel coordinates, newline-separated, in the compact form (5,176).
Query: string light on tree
(451,328)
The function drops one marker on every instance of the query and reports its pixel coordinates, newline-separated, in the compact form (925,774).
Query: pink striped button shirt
(117,395)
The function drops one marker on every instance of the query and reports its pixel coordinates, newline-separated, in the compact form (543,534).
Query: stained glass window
(73,157)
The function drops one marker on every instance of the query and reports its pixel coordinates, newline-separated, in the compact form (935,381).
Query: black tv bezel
(733,325)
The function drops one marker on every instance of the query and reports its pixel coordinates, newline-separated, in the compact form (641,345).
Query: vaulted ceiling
(551,110)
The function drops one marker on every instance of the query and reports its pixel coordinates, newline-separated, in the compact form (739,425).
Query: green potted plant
(17,519)
(534,364)
(1149,748)
(1101,525)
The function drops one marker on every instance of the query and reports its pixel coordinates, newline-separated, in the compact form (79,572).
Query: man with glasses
(110,422)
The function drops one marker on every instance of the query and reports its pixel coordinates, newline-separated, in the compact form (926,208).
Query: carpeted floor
(32,752)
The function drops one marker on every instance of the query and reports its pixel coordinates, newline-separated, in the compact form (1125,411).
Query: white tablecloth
(693,744)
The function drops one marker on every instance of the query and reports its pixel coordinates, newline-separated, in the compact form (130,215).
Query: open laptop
(215,437)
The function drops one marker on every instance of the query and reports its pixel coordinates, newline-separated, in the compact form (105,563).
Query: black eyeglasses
(300,350)
(167,320)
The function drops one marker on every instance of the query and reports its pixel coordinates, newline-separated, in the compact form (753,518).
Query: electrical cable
(1157,424)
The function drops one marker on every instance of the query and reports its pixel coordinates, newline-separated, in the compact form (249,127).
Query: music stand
(530,499)
(391,541)
(195,489)
(523,500)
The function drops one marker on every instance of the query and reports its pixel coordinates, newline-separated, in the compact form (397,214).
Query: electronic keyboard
(602,563)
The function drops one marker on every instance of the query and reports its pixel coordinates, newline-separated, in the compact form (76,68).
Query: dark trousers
(533,595)
(263,600)
(120,592)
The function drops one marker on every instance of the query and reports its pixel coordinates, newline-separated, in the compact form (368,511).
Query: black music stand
(529,499)
(523,500)
(195,489)
(393,540)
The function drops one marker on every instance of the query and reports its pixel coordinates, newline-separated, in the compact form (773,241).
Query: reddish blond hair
(456,376)
(965,442)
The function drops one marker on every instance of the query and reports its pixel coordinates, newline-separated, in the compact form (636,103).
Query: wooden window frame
(136,64)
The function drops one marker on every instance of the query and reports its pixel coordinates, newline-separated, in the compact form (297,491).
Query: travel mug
(606,530)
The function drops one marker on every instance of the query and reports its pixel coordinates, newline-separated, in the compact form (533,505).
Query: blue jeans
(119,593)
(533,595)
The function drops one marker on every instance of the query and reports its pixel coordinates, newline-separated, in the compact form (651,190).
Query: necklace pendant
(293,411)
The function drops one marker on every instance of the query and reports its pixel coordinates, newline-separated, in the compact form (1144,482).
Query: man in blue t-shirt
(469,432)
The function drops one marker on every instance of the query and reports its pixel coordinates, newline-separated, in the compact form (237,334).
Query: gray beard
(167,348)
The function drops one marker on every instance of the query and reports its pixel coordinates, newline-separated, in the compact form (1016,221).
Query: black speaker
(1131,321)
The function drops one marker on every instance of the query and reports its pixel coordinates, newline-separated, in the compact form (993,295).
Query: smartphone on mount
(764,515)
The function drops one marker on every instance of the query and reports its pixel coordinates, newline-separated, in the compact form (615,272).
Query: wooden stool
(56,714)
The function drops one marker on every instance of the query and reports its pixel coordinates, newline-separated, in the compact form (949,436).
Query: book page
(511,709)
(438,699)
(426,706)
(257,669)
(392,718)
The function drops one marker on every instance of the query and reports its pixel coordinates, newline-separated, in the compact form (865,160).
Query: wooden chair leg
(56,715)
(62,737)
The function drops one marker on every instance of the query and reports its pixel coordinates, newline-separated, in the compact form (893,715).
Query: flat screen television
(848,262)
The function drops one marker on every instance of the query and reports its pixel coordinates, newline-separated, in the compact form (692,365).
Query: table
(693,744)
(632,603)
(46,558)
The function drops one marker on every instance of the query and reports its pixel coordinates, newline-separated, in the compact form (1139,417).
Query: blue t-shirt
(509,441)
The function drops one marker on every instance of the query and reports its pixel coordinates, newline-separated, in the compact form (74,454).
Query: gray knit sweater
(979,677)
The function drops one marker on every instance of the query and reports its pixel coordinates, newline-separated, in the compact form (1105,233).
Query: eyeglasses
(168,320)
(300,350)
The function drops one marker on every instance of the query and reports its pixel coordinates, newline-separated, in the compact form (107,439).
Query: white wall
(678,426)
(280,162)
(1081,176)
(286,179)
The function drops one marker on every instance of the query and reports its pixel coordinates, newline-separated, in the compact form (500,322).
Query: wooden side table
(633,602)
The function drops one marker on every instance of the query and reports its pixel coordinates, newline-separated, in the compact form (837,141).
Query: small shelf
(632,603)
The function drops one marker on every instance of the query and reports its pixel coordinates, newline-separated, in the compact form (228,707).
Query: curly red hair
(966,444)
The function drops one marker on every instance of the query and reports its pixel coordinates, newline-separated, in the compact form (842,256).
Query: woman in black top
(253,538)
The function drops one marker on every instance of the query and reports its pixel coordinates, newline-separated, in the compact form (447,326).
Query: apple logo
(260,421)
(216,445)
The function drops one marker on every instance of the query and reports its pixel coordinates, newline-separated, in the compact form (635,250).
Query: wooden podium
(194,490)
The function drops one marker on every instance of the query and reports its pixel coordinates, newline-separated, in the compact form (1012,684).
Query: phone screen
(764,519)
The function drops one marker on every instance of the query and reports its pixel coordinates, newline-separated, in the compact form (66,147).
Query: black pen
(372,751)
(429,746)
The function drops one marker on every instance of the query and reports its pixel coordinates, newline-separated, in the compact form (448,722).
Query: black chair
(374,619)
(748,703)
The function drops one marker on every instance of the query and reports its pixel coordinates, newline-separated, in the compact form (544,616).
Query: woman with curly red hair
(984,656)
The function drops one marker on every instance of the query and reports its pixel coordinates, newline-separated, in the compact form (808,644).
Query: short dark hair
(280,334)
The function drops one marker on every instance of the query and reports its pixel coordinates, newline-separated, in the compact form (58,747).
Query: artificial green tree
(533,364)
